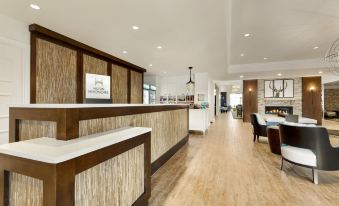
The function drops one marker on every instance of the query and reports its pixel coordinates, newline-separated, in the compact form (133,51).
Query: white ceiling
(191,32)
(207,35)
(282,30)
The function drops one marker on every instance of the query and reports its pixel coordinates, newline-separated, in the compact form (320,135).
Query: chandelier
(190,83)
(332,57)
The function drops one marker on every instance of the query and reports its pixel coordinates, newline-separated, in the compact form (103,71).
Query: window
(149,94)
(235,99)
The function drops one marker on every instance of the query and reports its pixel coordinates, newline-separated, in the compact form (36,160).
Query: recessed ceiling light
(320,72)
(165,72)
(34,6)
(135,27)
(316,47)
(265,58)
(279,74)
(125,52)
(150,65)
(159,47)
(242,55)
(241,76)
(247,35)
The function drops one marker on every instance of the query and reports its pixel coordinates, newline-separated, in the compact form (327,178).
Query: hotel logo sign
(98,86)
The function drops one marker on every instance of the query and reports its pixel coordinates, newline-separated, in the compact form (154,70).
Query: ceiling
(282,30)
(191,32)
(208,36)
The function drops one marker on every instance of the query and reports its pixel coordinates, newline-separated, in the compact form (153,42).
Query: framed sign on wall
(280,88)
(98,87)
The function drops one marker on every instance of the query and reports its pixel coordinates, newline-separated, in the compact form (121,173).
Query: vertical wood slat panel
(24,190)
(31,129)
(136,87)
(56,73)
(115,182)
(92,65)
(168,128)
(119,84)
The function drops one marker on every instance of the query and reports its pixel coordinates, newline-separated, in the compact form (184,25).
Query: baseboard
(165,157)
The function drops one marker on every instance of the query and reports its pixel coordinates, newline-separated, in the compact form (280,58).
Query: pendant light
(190,83)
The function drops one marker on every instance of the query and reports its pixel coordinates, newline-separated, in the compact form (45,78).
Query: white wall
(14,68)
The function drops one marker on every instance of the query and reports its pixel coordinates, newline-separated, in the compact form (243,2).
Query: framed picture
(278,91)
(201,97)
(269,88)
(289,90)
(280,88)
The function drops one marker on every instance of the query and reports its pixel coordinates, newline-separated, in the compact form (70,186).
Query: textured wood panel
(56,71)
(311,101)
(24,190)
(94,65)
(168,128)
(31,129)
(115,182)
(250,99)
(136,87)
(119,84)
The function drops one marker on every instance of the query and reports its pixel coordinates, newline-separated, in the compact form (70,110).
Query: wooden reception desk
(169,123)
(110,168)
(71,122)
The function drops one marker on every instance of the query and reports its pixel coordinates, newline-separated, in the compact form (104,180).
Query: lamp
(312,91)
(190,84)
(250,90)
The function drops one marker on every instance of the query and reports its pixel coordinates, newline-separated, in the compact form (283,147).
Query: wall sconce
(312,92)
(250,91)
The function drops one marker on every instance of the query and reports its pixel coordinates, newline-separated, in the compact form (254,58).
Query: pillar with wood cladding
(250,102)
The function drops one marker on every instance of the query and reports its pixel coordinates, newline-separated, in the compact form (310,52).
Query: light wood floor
(225,167)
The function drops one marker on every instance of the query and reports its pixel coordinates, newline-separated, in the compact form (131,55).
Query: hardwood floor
(225,167)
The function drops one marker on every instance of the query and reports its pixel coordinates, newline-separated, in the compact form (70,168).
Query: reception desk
(110,168)
(66,123)
(169,123)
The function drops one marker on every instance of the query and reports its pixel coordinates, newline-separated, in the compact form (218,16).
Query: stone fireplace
(294,104)
(278,110)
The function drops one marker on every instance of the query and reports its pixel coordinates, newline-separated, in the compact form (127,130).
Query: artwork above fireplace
(283,110)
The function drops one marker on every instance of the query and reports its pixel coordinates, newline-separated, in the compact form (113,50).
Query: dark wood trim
(129,93)
(141,201)
(42,30)
(33,69)
(68,118)
(142,89)
(109,73)
(165,157)
(80,77)
(59,179)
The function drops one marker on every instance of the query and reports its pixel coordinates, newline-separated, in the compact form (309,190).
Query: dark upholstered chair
(292,118)
(258,129)
(308,146)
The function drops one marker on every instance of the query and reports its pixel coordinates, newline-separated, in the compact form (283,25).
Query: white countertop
(62,106)
(51,150)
